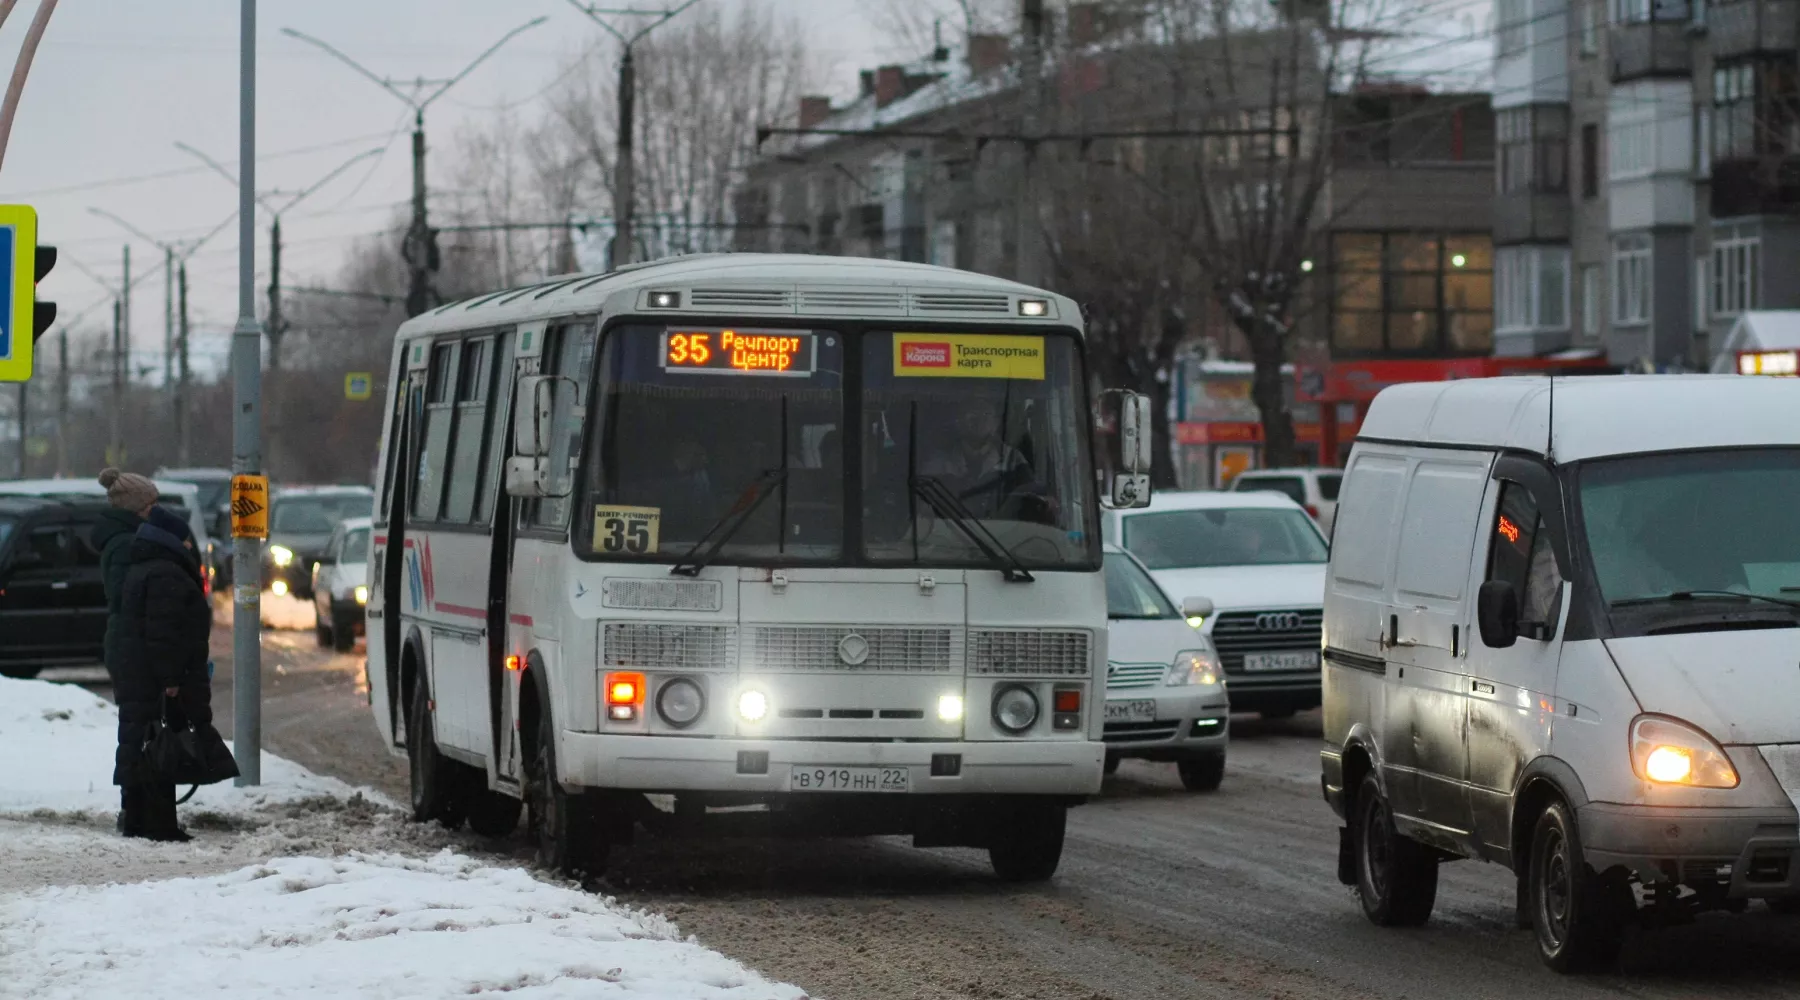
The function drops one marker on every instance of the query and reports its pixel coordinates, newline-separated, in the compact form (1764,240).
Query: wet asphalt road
(1162,893)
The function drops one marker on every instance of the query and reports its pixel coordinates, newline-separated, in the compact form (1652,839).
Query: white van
(1562,626)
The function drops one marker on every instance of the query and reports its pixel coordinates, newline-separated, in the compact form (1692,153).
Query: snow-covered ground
(303,887)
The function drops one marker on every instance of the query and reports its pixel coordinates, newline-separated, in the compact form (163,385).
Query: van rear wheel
(1396,876)
(1578,916)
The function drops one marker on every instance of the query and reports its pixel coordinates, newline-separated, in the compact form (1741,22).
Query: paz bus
(811,534)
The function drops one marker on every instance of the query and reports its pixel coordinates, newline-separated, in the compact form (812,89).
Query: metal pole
(113,444)
(22,68)
(276,327)
(24,425)
(122,360)
(168,317)
(1029,269)
(62,403)
(624,183)
(181,390)
(246,419)
(418,236)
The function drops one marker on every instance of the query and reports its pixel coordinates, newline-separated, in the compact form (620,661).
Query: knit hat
(170,522)
(128,490)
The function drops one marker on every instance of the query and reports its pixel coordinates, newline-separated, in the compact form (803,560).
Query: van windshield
(1224,536)
(1693,522)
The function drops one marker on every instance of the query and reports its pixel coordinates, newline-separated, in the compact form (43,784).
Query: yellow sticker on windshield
(633,531)
(968,355)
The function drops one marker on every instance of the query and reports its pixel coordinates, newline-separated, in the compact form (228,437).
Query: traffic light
(22,265)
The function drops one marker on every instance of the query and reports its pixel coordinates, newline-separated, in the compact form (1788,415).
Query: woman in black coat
(165,625)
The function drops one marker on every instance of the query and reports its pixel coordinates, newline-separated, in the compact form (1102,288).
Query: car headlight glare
(281,555)
(1194,666)
(279,588)
(753,705)
(362,595)
(680,702)
(1669,752)
(1015,709)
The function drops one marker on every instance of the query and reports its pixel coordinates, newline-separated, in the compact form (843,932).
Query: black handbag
(181,753)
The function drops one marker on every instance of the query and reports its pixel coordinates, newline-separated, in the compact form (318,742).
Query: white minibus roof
(1596,415)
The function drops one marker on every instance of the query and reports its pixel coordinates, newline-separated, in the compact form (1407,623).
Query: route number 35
(627,530)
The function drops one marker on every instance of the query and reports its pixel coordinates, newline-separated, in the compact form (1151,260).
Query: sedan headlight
(362,595)
(281,556)
(1674,753)
(1194,666)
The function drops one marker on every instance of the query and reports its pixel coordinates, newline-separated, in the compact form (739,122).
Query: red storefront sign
(1360,381)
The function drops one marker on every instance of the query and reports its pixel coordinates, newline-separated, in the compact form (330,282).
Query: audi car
(1260,560)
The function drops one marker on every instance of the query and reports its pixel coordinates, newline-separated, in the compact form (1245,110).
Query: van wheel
(343,633)
(1203,773)
(492,813)
(433,776)
(1577,916)
(567,838)
(321,630)
(1027,841)
(1396,876)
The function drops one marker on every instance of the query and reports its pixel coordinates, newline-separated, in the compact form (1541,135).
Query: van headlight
(1669,752)
(361,594)
(1194,666)
(281,555)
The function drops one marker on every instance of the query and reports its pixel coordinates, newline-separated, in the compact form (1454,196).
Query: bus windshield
(742,433)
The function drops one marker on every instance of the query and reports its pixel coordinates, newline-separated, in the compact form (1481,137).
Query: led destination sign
(739,352)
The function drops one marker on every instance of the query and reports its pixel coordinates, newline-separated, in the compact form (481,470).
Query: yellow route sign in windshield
(968,355)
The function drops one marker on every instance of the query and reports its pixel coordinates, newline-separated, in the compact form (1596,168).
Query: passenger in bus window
(991,476)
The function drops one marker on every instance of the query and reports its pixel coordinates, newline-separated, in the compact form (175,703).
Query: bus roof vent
(964,304)
(862,302)
(741,300)
(635,594)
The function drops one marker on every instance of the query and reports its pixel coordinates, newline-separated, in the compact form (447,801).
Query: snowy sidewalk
(356,902)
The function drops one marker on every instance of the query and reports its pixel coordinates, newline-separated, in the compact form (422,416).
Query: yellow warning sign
(250,506)
(968,355)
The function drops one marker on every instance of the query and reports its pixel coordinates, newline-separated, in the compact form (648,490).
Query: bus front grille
(1029,652)
(813,648)
(659,646)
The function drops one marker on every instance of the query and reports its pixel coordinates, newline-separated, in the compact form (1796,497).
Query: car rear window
(1291,486)
(1328,485)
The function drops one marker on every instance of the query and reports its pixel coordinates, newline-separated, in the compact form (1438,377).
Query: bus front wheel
(563,829)
(1026,840)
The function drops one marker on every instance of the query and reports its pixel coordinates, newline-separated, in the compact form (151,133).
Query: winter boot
(134,811)
(162,824)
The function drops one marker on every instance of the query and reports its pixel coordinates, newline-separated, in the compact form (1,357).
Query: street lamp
(419,247)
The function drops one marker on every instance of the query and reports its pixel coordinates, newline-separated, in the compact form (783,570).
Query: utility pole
(24,424)
(1029,234)
(62,403)
(246,430)
(182,448)
(276,326)
(420,244)
(168,316)
(114,446)
(625,169)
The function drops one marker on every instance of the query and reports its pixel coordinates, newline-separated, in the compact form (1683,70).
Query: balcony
(1745,27)
(1531,217)
(1651,49)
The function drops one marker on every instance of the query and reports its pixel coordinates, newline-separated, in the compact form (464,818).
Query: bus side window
(434,449)
(568,350)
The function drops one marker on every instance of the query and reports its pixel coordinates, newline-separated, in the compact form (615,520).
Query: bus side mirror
(1133,452)
(533,416)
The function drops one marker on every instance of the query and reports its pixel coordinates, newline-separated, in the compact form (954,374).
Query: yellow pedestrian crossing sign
(359,385)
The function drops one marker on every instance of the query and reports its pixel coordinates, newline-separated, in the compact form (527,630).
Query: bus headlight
(680,702)
(950,707)
(753,705)
(1015,709)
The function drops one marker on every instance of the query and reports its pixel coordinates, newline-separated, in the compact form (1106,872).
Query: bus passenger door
(386,555)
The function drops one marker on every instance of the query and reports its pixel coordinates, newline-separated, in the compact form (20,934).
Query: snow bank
(56,753)
(360,926)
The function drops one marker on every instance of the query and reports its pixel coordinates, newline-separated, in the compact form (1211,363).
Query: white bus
(808,533)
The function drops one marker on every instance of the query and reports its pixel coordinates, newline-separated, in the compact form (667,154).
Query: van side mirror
(1196,607)
(1497,614)
(1133,451)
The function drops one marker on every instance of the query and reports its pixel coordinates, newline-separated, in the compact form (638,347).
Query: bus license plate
(1257,662)
(1130,711)
(849,779)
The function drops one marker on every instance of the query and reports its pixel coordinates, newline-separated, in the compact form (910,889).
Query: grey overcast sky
(117,83)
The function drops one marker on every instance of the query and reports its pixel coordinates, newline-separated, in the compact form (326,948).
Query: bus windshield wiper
(939,498)
(1692,595)
(716,536)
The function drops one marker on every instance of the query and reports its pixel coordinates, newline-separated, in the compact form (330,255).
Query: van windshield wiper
(1712,595)
(716,536)
(944,502)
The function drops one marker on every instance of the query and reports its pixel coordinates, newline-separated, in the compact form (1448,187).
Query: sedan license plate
(1131,711)
(1260,662)
(849,779)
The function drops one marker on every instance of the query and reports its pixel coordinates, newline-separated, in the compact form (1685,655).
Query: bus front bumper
(678,764)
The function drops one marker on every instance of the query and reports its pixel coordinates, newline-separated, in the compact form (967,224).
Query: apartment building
(1645,179)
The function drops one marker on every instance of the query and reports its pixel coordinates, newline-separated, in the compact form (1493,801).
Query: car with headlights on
(340,584)
(1165,691)
(301,522)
